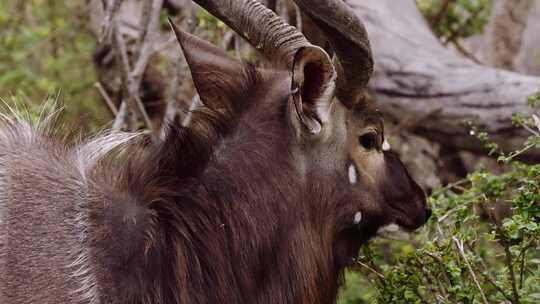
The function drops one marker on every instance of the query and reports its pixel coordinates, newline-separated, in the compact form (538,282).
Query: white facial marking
(386,145)
(394,232)
(353,178)
(389,228)
(357,217)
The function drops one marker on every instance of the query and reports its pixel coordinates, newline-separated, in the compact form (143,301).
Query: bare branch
(132,87)
(440,14)
(380,275)
(108,22)
(110,104)
(146,49)
(459,245)
(133,76)
(122,117)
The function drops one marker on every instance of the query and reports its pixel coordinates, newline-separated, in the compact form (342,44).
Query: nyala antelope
(264,197)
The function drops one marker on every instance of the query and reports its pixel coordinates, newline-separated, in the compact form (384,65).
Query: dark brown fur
(225,223)
(217,212)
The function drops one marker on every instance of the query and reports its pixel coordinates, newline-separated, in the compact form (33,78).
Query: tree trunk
(528,58)
(418,79)
(518,25)
(509,22)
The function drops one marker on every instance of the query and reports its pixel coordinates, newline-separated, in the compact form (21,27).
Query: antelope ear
(214,72)
(313,83)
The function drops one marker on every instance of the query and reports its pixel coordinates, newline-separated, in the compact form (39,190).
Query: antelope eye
(368,141)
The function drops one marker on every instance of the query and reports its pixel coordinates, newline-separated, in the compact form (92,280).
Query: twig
(448,213)
(465,52)
(121,117)
(535,133)
(431,285)
(380,275)
(171,107)
(459,245)
(442,264)
(486,274)
(108,101)
(146,46)
(499,289)
(522,264)
(440,14)
(454,34)
(131,86)
(133,76)
(508,256)
(144,24)
(108,22)
(521,151)
(508,259)
(121,45)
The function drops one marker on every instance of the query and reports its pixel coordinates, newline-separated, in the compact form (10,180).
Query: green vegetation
(456,19)
(46,50)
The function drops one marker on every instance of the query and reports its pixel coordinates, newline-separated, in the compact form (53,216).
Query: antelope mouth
(410,220)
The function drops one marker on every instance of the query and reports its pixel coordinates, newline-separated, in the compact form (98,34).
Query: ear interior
(313,84)
(214,72)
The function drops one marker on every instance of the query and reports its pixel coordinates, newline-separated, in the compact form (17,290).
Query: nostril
(428,213)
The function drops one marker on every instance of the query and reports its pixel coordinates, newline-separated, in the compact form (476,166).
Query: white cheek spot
(394,232)
(353,178)
(357,217)
(386,145)
(389,228)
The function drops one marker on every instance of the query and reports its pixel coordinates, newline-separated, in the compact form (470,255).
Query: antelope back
(45,196)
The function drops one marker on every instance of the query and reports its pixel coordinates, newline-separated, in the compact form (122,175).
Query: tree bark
(510,20)
(524,26)
(418,79)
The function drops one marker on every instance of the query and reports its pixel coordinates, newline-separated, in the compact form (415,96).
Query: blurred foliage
(46,50)
(451,19)
(534,100)
(470,251)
